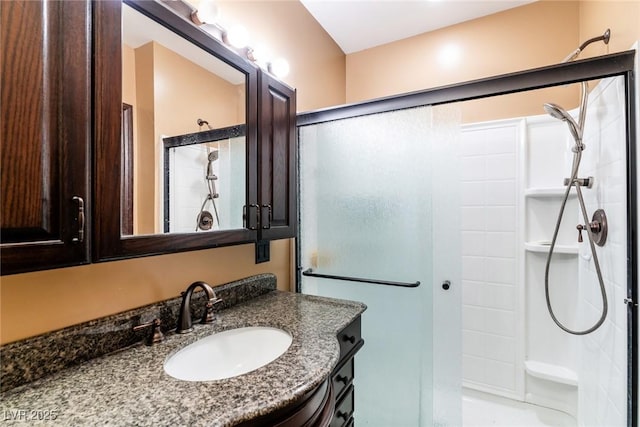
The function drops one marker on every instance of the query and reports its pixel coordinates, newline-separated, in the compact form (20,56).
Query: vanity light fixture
(236,38)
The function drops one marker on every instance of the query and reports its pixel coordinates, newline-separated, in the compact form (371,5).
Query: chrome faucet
(184,317)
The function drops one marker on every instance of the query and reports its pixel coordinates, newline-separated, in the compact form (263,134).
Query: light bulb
(238,36)
(279,67)
(207,12)
(261,53)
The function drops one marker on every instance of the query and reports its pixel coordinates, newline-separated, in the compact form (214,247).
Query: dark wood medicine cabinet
(62,157)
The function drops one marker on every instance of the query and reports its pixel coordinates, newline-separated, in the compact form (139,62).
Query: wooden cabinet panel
(350,339)
(44,139)
(344,410)
(343,378)
(277,151)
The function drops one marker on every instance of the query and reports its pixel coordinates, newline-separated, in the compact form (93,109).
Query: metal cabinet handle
(81,219)
(268,225)
(349,338)
(246,216)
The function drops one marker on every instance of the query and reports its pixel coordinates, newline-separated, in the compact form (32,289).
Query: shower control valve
(597,226)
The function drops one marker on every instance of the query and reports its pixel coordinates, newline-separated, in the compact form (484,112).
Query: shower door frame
(612,65)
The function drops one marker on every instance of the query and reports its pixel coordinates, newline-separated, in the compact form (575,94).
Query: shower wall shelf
(550,372)
(544,248)
(551,361)
(547,192)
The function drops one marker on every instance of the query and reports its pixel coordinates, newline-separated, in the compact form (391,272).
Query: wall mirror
(179,95)
(175,134)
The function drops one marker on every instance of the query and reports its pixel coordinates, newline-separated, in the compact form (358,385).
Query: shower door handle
(309,272)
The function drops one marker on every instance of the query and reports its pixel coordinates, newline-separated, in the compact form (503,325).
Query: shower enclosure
(203,177)
(441,222)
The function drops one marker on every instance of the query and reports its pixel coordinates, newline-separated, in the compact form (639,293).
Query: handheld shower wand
(557,112)
(204,221)
(577,130)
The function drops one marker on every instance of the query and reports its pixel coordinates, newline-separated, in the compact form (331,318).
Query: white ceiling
(361,24)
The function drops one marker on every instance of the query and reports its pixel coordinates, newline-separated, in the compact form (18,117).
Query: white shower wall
(603,354)
(511,193)
(492,326)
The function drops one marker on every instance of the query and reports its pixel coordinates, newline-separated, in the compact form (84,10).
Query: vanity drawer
(344,410)
(343,378)
(349,337)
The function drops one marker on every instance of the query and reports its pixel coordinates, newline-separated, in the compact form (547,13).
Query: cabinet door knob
(343,415)
(342,379)
(81,220)
(349,338)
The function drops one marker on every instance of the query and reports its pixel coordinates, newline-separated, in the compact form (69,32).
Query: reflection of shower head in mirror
(204,122)
(212,157)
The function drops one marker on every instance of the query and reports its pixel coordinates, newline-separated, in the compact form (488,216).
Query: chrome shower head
(212,157)
(557,112)
(604,38)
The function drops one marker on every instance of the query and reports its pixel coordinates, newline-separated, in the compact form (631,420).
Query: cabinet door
(277,150)
(44,136)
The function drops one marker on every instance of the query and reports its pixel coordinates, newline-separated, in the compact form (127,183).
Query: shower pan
(381,220)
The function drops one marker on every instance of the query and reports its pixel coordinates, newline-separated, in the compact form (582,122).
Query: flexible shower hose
(574,175)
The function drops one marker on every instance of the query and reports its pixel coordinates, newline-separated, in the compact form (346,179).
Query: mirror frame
(108,241)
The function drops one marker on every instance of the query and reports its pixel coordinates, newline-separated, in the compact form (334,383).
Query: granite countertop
(130,387)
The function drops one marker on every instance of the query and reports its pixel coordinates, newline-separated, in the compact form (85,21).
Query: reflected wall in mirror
(176,89)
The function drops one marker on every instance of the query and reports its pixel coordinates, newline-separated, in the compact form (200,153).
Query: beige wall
(530,36)
(535,35)
(317,63)
(622,17)
(144,109)
(34,303)
(173,94)
(185,92)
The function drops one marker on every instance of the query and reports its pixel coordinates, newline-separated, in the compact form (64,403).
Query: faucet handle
(209,313)
(156,335)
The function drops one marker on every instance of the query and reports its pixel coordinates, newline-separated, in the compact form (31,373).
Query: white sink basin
(228,354)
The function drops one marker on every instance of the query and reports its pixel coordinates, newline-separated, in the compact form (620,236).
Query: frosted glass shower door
(367,211)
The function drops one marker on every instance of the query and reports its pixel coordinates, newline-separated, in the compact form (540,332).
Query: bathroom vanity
(311,381)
